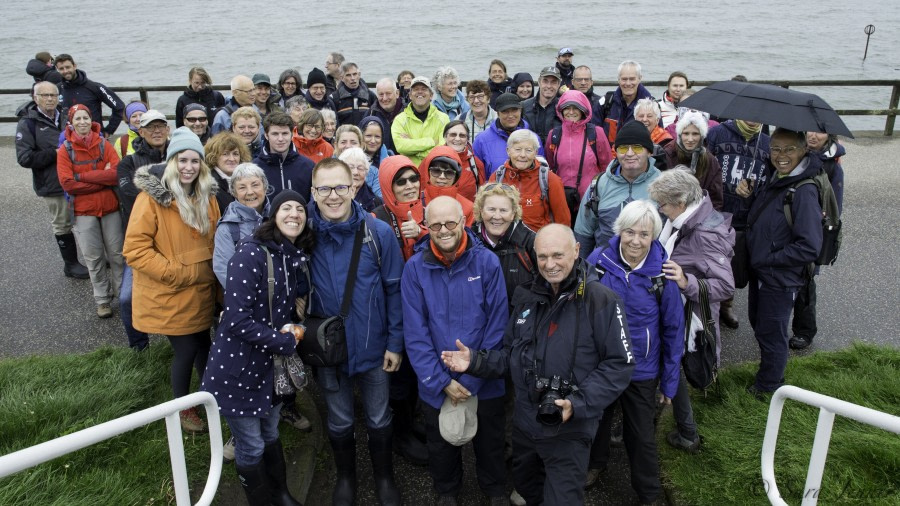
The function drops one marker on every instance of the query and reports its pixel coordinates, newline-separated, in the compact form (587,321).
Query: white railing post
(176,455)
(817,458)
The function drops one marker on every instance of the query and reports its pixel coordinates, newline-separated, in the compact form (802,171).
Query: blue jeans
(770,310)
(136,339)
(251,435)
(337,388)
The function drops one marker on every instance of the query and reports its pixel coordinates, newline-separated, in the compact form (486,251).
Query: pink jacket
(564,158)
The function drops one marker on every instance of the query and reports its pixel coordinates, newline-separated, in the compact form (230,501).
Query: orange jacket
(315,149)
(92,192)
(660,136)
(535,212)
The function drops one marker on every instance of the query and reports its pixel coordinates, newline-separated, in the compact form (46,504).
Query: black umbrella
(765,103)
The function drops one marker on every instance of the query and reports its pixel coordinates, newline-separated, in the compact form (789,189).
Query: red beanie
(78,107)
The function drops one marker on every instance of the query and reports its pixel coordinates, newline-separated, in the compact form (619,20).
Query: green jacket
(423,137)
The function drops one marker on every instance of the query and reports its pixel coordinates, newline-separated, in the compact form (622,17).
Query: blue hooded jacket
(375,322)
(656,328)
(433,322)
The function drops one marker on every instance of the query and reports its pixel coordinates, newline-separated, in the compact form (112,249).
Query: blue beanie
(182,139)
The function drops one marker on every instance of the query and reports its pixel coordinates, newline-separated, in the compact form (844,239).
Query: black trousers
(804,323)
(445,460)
(190,350)
(638,403)
(550,471)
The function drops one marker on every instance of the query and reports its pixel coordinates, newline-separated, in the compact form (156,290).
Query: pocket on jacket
(239,370)
(194,256)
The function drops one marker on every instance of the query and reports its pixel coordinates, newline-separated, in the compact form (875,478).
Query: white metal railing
(828,407)
(38,454)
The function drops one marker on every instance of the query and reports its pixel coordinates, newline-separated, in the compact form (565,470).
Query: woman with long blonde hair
(169,245)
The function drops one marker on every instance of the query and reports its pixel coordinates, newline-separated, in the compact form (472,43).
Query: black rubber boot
(345,461)
(276,468)
(255,483)
(383,466)
(69,253)
(405,441)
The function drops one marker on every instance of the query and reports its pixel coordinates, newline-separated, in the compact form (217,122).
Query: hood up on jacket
(390,167)
(519,79)
(580,101)
(431,191)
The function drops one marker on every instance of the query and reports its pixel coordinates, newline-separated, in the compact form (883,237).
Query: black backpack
(831,215)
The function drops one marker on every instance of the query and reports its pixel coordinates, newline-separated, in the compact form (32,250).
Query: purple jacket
(703,249)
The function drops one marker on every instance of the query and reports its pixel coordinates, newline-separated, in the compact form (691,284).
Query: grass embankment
(863,464)
(45,397)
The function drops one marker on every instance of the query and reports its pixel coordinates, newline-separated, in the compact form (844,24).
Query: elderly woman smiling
(647,112)
(356,159)
(248,186)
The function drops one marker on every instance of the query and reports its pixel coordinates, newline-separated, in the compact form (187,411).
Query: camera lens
(548,412)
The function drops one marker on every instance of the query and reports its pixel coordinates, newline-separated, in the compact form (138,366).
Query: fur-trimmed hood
(149,179)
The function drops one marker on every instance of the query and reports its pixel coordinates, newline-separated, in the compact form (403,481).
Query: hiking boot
(758,394)
(191,421)
(228,450)
(516,499)
(103,310)
(676,441)
(593,477)
(799,343)
(727,317)
(67,249)
(290,415)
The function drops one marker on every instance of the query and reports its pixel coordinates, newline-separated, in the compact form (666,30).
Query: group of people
(524,250)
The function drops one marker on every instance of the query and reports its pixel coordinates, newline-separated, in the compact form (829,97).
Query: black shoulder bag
(325,342)
(700,365)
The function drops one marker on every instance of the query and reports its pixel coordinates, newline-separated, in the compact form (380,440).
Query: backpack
(831,216)
(71,151)
(593,200)
(543,179)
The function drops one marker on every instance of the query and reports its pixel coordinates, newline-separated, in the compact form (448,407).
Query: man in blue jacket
(781,254)
(565,326)
(450,265)
(285,168)
(374,327)
(76,88)
(620,110)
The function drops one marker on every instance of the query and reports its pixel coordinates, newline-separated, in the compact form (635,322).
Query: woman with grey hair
(356,159)
(248,186)
(449,99)
(699,242)
(632,267)
(647,113)
(330,119)
(542,203)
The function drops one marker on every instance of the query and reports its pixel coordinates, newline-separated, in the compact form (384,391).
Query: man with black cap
(540,110)
(626,179)
(565,67)
(353,98)
(266,99)
(420,127)
(490,145)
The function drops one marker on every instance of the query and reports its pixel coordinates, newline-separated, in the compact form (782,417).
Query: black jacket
(541,120)
(82,90)
(601,350)
(143,155)
(516,253)
(37,139)
(566,73)
(292,171)
(40,71)
(207,97)
(223,194)
(351,106)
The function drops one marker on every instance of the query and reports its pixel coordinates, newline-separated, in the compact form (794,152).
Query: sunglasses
(409,179)
(637,148)
(451,225)
(195,119)
(437,172)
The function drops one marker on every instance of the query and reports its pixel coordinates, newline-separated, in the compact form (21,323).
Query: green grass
(44,397)
(863,464)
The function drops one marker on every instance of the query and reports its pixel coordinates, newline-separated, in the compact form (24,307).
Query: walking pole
(869,29)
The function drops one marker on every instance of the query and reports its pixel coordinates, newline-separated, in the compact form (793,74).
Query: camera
(549,390)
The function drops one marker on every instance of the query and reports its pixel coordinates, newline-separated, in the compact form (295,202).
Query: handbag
(290,374)
(325,344)
(700,367)
(573,199)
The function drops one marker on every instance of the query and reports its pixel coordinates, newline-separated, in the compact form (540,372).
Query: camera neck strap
(576,295)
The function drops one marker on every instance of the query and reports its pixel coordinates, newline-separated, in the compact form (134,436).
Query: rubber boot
(405,441)
(69,253)
(345,461)
(276,468)
(383,466)
(255,483)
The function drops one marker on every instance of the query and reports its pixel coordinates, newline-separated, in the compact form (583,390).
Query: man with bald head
(37,138)
(568,353)
(452,266)
(388,106)
(243,93)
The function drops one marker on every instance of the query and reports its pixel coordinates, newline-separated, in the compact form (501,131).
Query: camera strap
(575,295)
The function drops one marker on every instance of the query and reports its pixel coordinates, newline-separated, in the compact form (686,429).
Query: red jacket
(430,192)
(90,180)
(315,149)
(535,212)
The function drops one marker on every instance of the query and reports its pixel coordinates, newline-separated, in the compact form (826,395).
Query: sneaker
(676,441)
(593,477)
(103,310)
(515,499)
(290,415)
(191,422)
(799,343)
(228,450)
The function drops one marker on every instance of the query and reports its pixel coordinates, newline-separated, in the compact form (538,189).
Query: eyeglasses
(251,90)
(156,127)
(194,119)
(453,135)
(637,148)
(789,150)
(439,172)
(409,179)
(47,95)
(325,191)
(479,97)
(317,128)
(451,225)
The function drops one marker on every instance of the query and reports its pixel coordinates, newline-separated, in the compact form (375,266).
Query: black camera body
(549,390)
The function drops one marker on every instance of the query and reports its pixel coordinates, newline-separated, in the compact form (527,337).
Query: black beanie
(283,196)
(315,76)
(634,132)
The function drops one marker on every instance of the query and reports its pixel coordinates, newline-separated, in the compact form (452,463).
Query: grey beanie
(182,139)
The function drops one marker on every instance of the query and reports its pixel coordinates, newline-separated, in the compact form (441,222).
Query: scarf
(443,105)
(746,132)
(695,153)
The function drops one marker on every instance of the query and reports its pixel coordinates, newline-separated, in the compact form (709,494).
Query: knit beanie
(634,132)
(78,107)
(195,107)
(134,107)
(283,196)
(315,76)
(183,139)
(692,118)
